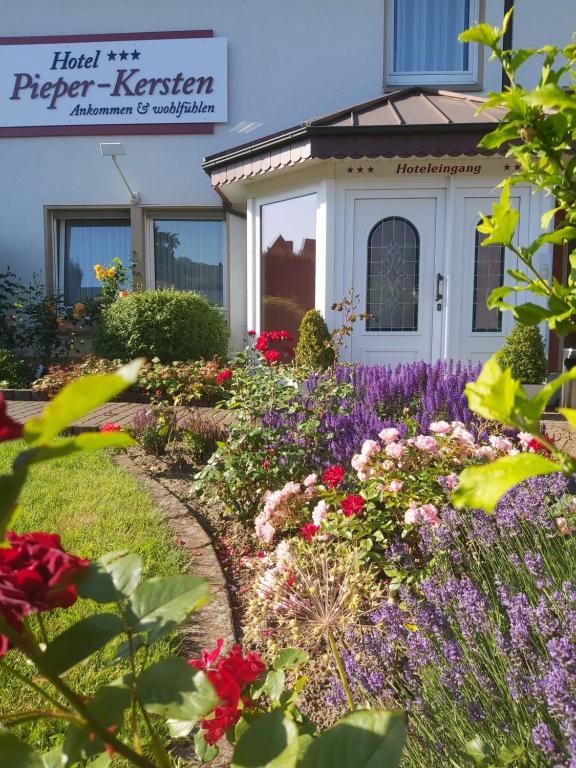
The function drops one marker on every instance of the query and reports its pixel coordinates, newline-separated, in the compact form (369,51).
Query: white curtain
(88,242)
(189,256)
(426,35)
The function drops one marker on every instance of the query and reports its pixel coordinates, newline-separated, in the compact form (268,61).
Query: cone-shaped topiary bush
(171,325)
(523,352)
(312,350)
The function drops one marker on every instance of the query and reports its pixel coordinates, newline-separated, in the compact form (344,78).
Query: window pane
(89,242)
(393,273)
(189,256)
(426,35)
(288,262)
(488,274)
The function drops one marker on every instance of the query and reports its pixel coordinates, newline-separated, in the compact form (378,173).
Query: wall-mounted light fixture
(113,149)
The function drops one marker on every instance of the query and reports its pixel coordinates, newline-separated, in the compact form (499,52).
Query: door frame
(346,256)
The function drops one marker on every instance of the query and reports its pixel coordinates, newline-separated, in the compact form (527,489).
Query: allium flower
(9,429)
(110,426)
(223,376)
(352,505)
(36,575)
(333,476)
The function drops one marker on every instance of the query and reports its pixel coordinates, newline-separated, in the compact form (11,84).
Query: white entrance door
(475,332)
(398,275)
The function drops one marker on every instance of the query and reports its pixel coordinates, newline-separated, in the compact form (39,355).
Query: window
(393,276)
(83,240)
(488,274)
(423,45)
(189,256)
(288,235)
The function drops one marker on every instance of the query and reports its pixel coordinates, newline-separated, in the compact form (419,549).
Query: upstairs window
(423,45)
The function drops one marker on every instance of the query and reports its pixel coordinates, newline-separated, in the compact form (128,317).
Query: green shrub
(170,325)
(312,350)
(14,372)
(523,352)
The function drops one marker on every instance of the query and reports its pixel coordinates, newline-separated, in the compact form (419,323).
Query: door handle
(439,279)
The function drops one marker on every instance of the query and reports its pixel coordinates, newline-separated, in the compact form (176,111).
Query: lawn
(96,507)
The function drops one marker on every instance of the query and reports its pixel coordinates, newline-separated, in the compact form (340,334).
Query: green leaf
(10,487)
(87,441)
(103,761)
(15,754)
(483,34)
(76,400)
(500,227)
(53,759)
(179,729)
(108,706)
(364,739)
(509,753)
(81,640)
(270,742)
(569,414)
(274,684)
(551,96)
(496,394)
(540,400)
(113,578)
(159,605)
(479,750)
(174,689)
(481,487)
(204,752)
(290,657)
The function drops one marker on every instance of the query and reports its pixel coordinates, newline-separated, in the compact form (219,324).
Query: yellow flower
(110,272)
(123,294)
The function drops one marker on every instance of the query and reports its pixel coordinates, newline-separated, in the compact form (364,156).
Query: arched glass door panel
(393,276)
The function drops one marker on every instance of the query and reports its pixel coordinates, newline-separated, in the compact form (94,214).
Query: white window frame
(186,214)
(57,245)
(458,78)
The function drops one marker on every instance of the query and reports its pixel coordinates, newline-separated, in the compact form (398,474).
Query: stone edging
(213,620)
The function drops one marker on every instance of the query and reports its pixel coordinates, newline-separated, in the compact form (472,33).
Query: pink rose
(311,480)
(395,486)
(395,450)
(440,427)
(389,435)
(319,513)
(451,481)
(426,443)
(429,513)
(369,448)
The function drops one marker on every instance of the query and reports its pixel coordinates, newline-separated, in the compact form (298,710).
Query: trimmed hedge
(313,350)
(523,352)
(171,325)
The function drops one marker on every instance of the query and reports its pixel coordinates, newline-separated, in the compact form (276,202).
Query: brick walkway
(119,413)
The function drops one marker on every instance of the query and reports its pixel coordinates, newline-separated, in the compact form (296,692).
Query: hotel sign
(165,82)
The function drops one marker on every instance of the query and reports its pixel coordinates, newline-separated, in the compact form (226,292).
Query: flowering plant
(112,277)
(37,575)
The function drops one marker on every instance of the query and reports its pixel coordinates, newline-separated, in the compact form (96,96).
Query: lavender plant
(484,657)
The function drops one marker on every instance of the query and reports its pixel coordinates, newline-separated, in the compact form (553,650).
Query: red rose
(230,675)
(262,342)
(9,429)
(109,426)
(36,575)
(535,446)
(308,531)
(223,376)
(265,464)
(286,336)
(333,476)
(251,333)
(352,505)
(272,356)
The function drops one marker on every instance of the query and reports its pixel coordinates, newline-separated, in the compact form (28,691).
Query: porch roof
(413,122)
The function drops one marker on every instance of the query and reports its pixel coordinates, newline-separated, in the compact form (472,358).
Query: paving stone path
(119,413)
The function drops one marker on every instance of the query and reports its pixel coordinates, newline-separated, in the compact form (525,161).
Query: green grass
(96,507)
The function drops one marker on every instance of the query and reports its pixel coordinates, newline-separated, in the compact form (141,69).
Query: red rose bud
(9,429)
(251,333)
(308,531)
